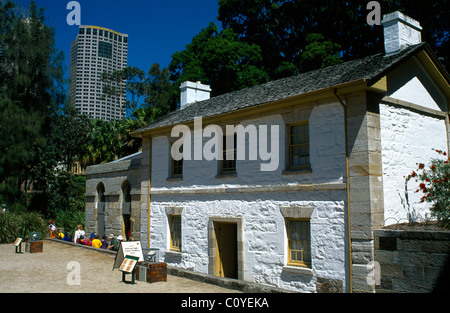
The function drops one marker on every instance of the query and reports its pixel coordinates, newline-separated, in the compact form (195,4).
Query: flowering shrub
(435,187)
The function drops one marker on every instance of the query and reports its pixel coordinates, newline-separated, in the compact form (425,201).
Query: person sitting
(114,243)
(60,234)
(96,243)
(67,237)
(91,238)
(104,242)
(52,230)
(80,232)
(83,241)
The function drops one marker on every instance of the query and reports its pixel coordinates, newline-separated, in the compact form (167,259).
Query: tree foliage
(31,82)
(220,59)
(282,28)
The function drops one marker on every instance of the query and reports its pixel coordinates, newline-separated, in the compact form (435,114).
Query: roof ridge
(368,67)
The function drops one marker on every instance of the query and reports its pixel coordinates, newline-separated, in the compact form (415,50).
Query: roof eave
(329,92)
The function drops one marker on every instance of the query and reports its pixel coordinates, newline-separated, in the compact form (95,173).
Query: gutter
(350,275)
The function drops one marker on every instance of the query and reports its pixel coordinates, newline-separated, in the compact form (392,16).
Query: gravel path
(48,272)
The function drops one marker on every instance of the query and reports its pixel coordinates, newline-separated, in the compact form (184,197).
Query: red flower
(445,153)
(413,174)
(421,166)
(422,186)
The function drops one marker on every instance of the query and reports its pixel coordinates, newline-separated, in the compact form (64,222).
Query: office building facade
(95,51)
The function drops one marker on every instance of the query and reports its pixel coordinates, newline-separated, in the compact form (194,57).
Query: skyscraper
(97,50)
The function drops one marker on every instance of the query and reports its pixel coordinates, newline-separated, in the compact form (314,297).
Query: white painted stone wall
(265,241)
(408,137)
(327,155)
(264,229)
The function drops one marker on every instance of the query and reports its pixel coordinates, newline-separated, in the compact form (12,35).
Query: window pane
(175,232)
(228,165)
(299,152)
(104,50)
(299,241)
(177,166)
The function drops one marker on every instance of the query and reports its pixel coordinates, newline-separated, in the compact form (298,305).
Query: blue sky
(156,28)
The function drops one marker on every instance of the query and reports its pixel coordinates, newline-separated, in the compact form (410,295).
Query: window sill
(174,179)
(173,253)
(298,270)
(226,176)
(305,171)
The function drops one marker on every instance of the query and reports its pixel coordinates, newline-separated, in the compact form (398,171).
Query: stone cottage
(317,163)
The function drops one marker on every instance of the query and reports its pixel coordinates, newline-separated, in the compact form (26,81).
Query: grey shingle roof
(371,68)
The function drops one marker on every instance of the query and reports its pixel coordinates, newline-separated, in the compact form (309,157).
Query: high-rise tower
(97,50)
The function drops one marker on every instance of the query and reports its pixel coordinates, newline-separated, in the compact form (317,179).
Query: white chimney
(193,92)
(400,31)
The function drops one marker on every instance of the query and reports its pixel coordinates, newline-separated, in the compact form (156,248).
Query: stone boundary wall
(411,261)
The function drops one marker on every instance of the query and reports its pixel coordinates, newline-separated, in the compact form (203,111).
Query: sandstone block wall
(411,261)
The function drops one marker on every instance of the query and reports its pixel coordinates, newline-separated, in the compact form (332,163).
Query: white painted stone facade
(408,138)
(257,198)
(386,139)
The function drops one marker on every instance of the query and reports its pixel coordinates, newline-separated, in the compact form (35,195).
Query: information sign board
(128,248)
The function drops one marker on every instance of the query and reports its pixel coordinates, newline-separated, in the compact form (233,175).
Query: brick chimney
(400,31)
(193,92)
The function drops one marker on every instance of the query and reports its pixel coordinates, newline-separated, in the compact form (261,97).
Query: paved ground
(47,273)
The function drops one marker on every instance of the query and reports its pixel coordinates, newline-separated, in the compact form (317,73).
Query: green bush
(69,220)
(435,187)
(20,224)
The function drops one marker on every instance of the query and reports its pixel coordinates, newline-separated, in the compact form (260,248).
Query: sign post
(18,245)
(128,248)
(128,266)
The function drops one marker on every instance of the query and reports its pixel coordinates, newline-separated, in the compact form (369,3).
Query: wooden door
(226,252)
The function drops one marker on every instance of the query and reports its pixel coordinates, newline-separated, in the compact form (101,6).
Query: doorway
(101,214)
(127,226)
(226,257)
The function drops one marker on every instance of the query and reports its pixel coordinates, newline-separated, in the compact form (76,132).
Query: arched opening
(126,209)
(101,201)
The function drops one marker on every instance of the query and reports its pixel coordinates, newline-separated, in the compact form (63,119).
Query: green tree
(104,142)
(32,83)
(149,98)
(159,88)
(69,135)
(65,193)
(319,53)
(219,59)
(130,80)
(150,92)
(281,28)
